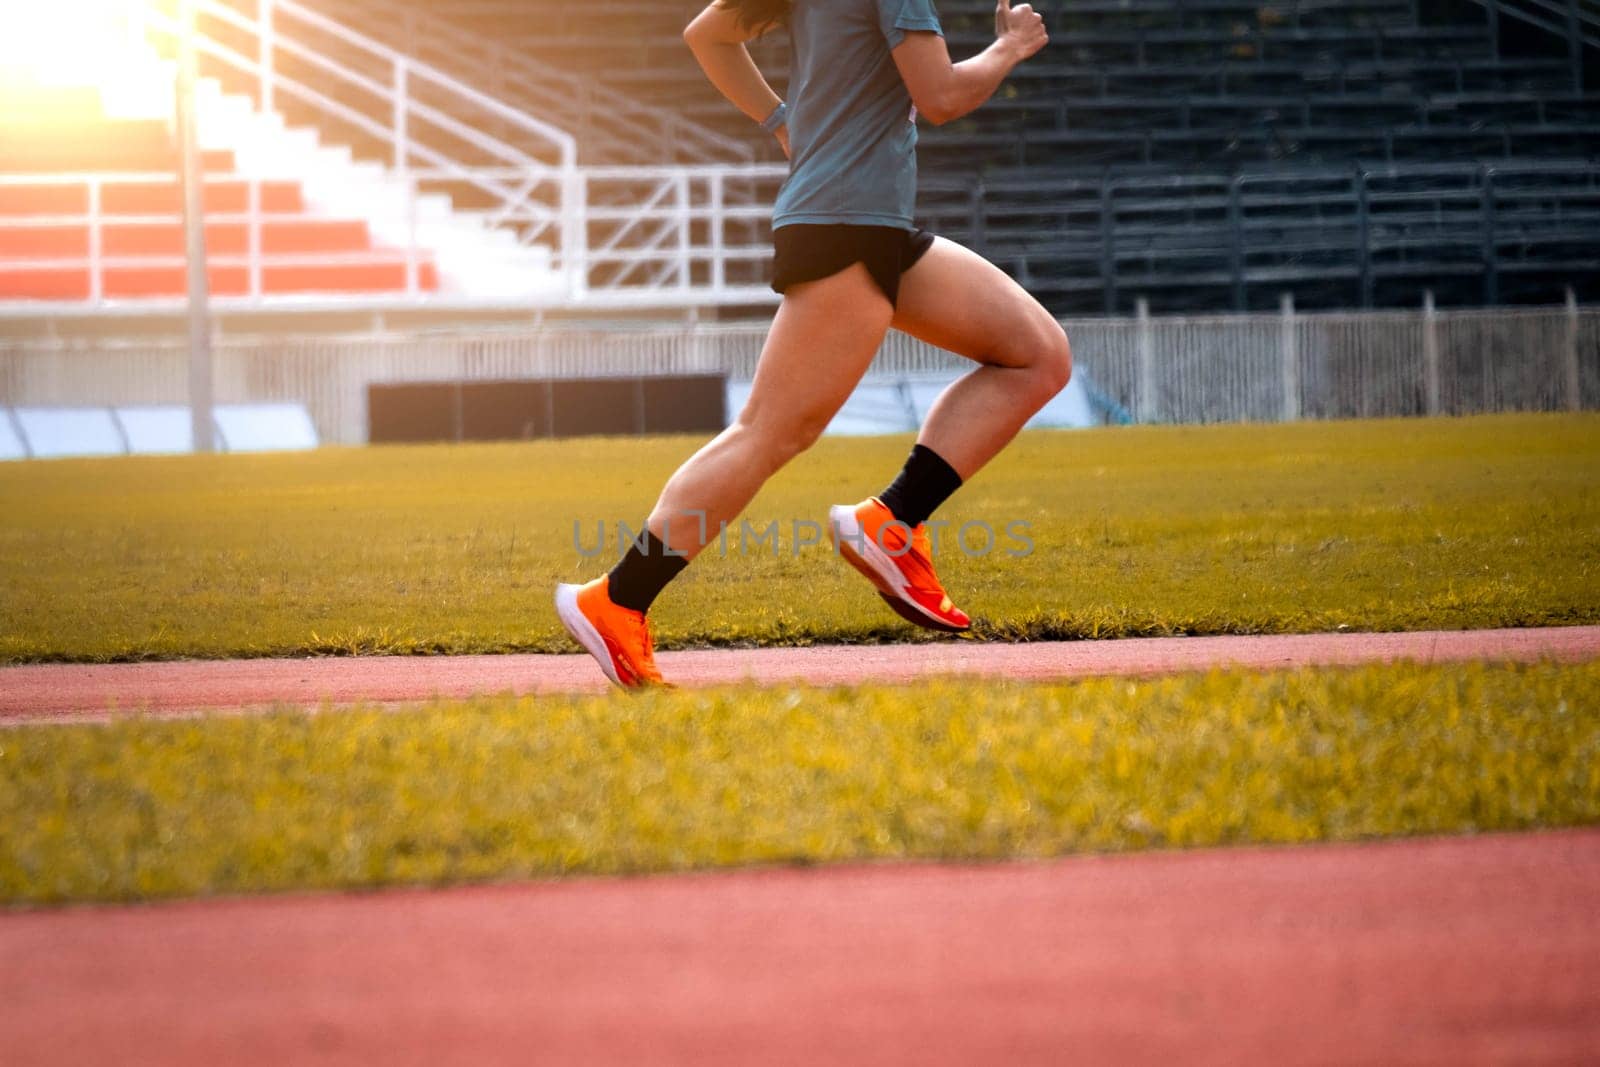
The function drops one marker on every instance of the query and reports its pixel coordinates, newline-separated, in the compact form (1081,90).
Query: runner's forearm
(973,81)
(735,75)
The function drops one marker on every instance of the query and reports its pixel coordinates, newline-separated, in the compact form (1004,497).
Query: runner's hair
(758,14)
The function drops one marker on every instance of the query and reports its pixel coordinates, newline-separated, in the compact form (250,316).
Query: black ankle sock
(924,483)
(639,576)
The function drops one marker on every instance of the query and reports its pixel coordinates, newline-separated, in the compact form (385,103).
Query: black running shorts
(805,252)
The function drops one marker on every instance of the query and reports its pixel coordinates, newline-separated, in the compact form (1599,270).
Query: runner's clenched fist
(1021,27)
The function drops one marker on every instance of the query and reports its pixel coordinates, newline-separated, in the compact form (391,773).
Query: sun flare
(98,45)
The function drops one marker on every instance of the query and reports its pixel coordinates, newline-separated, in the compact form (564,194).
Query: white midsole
(582,630)
(846,530)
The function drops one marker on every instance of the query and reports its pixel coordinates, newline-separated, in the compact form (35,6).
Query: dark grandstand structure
(1200,154)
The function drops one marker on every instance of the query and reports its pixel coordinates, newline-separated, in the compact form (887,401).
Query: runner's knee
(1045,354)
(775,440)
(1055,358)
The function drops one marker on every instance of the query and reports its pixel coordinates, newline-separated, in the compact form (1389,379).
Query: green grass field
(1153,530)
(501,788)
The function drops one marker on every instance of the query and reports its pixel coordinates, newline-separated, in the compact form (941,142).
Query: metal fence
(1229,368)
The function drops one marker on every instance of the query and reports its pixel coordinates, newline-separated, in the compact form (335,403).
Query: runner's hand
(1021,26)
(782,134)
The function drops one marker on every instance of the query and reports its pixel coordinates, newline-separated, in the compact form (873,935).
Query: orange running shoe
(868,536)
(617,637)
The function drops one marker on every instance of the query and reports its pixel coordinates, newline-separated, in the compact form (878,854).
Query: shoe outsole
(914,616)
(583,632)
(846,534)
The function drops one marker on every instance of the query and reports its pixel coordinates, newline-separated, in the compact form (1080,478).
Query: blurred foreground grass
(501,788)
(1152,530)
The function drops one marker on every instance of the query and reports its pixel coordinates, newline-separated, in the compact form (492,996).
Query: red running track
(1461,950)
(57,691)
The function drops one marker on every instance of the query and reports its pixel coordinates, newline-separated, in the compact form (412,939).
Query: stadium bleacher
(49,231)
(617,127)
(1211,154)
(1334,237)
(382,186)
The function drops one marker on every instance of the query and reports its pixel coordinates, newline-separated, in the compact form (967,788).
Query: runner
(850,264)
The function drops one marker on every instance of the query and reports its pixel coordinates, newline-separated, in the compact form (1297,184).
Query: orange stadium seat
(43,242)
(43,200)
(48,284)
(233,238)
(220,197)
(125,283)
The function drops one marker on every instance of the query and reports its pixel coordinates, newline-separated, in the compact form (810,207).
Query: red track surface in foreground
(55,691)
(1449,951)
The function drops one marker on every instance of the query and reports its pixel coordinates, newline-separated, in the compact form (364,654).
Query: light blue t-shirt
(852,135)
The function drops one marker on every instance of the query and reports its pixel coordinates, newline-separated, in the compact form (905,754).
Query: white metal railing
(637,237)
(422,117)
(676,234)
(1211,368)
(255,222)
(615,123)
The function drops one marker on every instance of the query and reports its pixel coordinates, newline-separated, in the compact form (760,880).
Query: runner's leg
(821,343)
(959,301)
